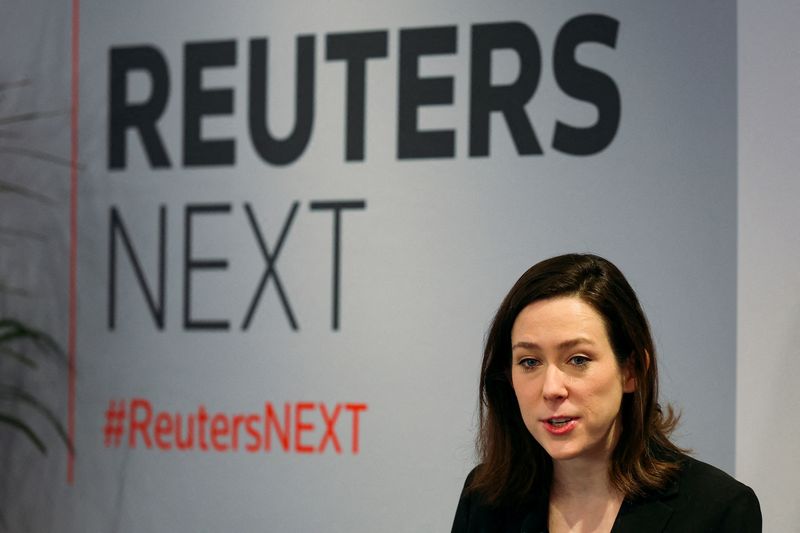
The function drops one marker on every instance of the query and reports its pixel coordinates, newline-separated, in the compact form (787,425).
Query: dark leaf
(36,154)
(16,394)
(13,330)
(25,234)
(18,356)
(22,426)
(14,84)
(23,191)
(26,117)
(12,290)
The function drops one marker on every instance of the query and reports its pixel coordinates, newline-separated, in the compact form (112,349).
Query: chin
(562,453)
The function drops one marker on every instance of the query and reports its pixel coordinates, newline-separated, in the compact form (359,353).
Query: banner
(294,226)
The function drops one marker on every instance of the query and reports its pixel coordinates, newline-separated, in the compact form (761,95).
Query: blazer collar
(650,514)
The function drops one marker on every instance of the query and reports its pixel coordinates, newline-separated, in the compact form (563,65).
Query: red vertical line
(73,241)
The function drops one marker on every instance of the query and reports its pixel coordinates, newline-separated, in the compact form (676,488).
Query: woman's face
(567,380)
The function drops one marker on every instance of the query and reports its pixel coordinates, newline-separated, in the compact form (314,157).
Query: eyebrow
(571,343)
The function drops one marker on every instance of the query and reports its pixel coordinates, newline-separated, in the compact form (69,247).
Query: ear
(628,374)
(628,377)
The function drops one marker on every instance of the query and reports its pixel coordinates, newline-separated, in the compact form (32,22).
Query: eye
(579,360)
(529,363)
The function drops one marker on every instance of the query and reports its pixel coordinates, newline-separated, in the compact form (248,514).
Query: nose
(554,387)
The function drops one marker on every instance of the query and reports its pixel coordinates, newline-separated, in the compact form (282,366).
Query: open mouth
(559,422)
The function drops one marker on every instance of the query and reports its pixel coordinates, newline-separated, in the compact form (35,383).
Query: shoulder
(703,498)
(475,515)
(699,478)
(706,494)
(471,510)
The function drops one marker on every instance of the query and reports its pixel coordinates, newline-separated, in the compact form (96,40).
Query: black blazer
(704,499)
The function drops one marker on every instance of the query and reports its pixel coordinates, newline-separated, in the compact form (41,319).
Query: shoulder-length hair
(514,466)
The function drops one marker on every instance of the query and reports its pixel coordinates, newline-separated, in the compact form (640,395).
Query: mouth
(560,425)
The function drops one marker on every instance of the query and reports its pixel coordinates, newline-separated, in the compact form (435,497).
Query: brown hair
(514,466)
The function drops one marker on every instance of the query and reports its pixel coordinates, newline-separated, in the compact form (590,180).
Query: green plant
(13,334)
(20,343)
(30,358)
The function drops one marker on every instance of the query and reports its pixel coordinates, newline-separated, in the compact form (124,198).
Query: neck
(581,478)
(582,498)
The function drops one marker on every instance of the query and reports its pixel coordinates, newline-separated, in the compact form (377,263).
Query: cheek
(606,401)
(518,387)
(519,394)
(527,394)
(517,384)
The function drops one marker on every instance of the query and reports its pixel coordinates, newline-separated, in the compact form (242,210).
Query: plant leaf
(22,233)
(12,290)
(12,329)
(22,426)
(8,392)
(37,154)
(9,187)
(25,117)
(14,84)
(19,356)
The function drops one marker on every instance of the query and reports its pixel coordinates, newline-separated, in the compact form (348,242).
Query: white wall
(768,426)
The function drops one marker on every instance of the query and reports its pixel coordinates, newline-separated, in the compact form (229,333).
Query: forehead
(558,319)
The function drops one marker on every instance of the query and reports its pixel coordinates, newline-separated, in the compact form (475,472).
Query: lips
(560,425)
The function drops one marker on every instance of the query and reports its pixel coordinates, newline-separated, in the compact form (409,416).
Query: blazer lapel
(651,516)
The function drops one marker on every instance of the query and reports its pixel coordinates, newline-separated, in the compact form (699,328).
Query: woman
(572,438)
